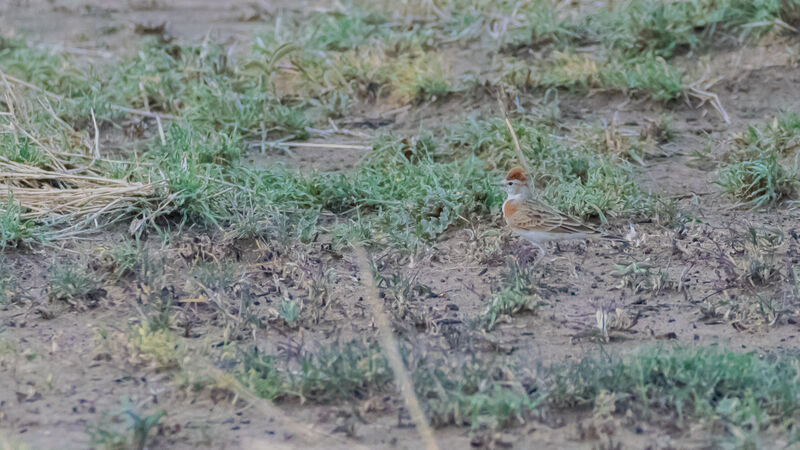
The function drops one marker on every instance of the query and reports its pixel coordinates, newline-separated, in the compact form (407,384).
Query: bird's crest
(517,174)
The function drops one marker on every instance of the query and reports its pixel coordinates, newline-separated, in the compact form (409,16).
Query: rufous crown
(517,174)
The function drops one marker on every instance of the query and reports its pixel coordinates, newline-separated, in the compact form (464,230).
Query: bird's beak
(500,182)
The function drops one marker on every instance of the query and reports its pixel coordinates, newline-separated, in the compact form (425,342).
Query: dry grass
(61,184)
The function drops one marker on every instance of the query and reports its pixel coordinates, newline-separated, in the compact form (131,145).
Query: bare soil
(56,382)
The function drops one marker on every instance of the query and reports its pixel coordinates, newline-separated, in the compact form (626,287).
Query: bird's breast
(509,208)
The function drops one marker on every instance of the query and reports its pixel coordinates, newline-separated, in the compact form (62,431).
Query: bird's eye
(510,183)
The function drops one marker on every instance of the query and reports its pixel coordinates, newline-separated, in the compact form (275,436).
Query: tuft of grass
(75,284)
(670,28)
(20,149)
(340,32)
(216,276)
(645,75)
(516,295)
(136,434)
(642,276)
(154,347)
(470,393)
(402,290)
(14,230)
(743,389)
(474,393)
(289,312)
(664,29)
(648,75)
(753,267)
(348,371)
(759,182)
(759,170)
(123,260)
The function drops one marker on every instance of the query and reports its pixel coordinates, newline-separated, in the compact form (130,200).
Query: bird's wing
(531,214)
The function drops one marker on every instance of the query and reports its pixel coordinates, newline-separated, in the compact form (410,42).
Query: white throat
(519,193)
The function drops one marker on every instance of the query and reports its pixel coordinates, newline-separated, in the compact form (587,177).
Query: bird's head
(516,183)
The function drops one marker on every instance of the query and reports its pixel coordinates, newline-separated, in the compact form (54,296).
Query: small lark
(535,221)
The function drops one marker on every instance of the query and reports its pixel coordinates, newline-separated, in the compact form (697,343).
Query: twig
(62,98)
(322,145)
(522,159)
(705,96)
(392,351)
(395,111)
(143,113)
(95,151)
(31,86)
(96,137)
(88,52)
(161,131)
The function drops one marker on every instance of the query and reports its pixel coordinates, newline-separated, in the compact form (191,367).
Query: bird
(535,221)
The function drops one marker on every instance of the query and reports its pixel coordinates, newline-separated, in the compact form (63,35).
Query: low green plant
(154,346)
(289,312)
(20,149)
(125,259)
(517,294)
(74,283)
(645,75)
(14,230)
(763,167)
(216,276)
(474,393)
(743,389)
(642,276)
(136,434)
(337,372)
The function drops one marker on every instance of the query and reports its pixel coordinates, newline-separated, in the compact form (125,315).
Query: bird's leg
(542,252)
(558,247)
(583,247)
(525,254)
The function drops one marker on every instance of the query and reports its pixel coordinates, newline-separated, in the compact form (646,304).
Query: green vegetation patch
(574,179)
(762,169)
(748,391)
(745,389)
